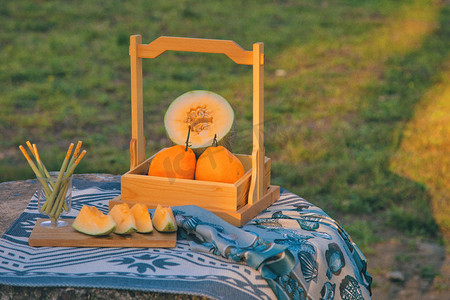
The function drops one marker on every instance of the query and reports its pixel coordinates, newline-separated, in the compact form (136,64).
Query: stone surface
(396,276)
(27,293)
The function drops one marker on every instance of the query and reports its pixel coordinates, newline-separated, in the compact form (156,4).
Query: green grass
(428,272)
(364,233)
(354,72)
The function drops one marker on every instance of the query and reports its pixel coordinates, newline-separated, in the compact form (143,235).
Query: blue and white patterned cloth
(292,250)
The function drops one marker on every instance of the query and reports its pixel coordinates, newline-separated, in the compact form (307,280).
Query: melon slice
(124,219)
(164,220)
(91,221)
(207,113)
(142,218)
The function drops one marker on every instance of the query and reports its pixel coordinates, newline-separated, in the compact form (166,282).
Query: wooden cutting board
(68,237)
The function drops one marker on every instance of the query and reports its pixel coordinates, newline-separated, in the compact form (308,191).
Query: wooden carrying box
(236,203)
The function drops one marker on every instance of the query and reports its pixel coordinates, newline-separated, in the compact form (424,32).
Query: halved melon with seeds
(142,218)
(164,220)
(124,219)
(91,221)
(207,113)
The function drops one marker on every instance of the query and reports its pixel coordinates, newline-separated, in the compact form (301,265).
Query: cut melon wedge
(124,219)
(207,113)
(164,220)
(142,218)
(91,221)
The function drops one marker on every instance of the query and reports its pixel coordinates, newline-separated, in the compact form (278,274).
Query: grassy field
(356,95)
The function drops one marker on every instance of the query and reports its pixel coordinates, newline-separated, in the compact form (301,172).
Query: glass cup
(55,198)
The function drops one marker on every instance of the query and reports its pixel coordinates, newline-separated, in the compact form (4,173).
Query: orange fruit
(218,164)
(173,162)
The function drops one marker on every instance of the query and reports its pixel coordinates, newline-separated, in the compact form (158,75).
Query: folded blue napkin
(289,276)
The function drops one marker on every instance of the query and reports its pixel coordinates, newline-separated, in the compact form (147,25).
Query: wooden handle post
(137,109)
(133,162)
(256,190)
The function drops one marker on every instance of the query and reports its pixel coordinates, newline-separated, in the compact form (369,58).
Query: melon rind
(93,222)
(124,219)
(164,220)
(176,129)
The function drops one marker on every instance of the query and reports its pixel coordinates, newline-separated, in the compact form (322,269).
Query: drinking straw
(49,206)
(65,187)
(35,170)
(41,164)
(61,196)
(30,162)
(30,146)
(74,165)
(60,203)
(71,162)
(58,206)
(75,154)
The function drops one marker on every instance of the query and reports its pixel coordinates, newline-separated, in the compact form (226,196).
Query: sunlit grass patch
(424,153)
(412,23)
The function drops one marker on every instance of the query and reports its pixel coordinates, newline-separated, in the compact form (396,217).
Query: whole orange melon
(218,164)
(174,162)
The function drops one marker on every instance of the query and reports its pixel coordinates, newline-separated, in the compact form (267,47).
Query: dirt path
(406,268)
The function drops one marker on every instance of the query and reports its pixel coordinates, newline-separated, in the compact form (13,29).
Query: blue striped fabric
(292,250)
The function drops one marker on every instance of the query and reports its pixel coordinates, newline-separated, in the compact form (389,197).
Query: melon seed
(199,118)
